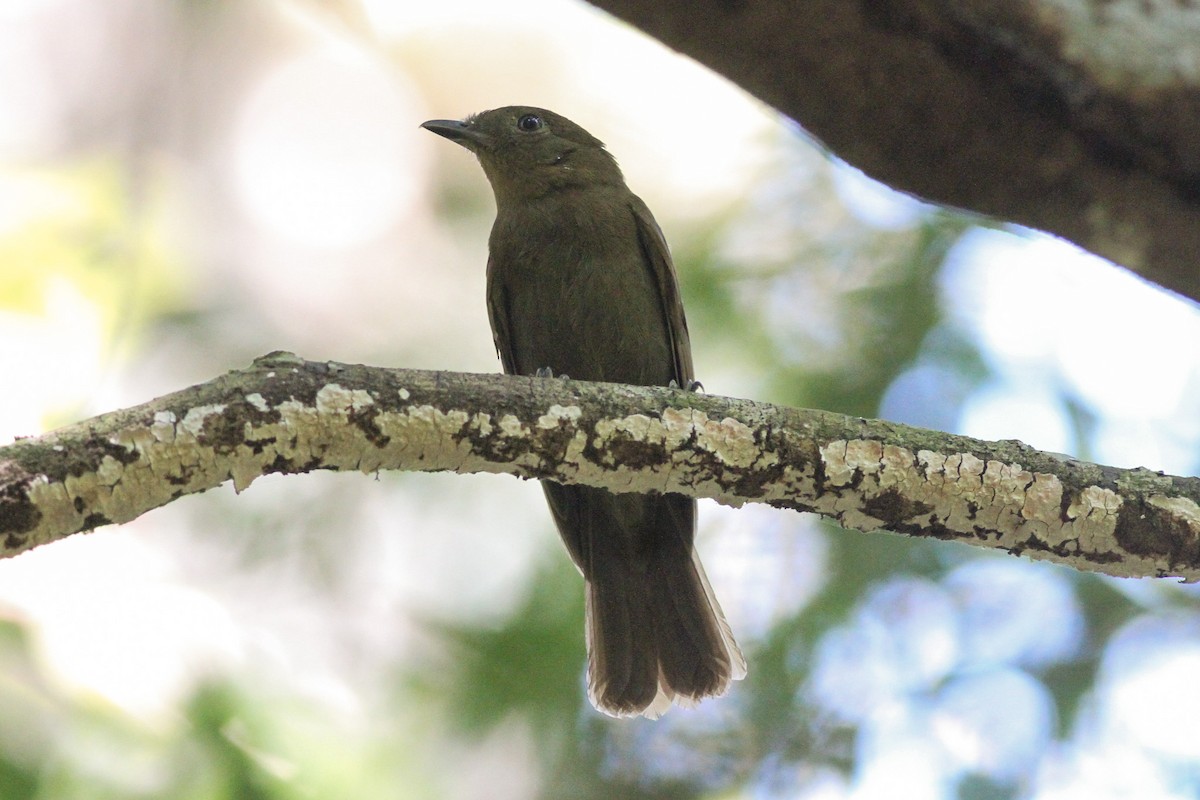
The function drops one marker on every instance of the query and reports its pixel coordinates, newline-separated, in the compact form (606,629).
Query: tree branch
(284,414)
(1082,119)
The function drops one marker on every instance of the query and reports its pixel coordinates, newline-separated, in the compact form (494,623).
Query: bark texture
(1077,117)
(287,415)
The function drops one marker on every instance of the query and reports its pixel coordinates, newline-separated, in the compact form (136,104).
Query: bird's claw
(693,386)
(546,372)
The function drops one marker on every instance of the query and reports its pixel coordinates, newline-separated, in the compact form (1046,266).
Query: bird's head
(528,152)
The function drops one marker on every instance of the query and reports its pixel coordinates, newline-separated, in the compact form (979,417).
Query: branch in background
(1076,118)
(287,415)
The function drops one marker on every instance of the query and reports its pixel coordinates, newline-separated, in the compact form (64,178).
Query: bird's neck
(563,193)
(574,174)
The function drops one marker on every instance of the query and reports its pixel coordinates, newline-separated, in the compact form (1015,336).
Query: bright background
(185,186)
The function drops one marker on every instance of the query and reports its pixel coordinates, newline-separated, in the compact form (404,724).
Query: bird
(581,285)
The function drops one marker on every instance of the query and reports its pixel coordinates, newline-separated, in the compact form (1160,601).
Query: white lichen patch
(244,472)
(1043,498)
(1095,503)
(1182,508)
(965,471)
(110,471)
(258,401)
(732,441)
(57,507)
(439,429)
(843,460)
(897,468)
(135,439)
(442,440)
(864,455)
(679,426)
(1092,518)
(838,471)
(967,494)
(573,457)
(333,398)
(422,432)
(637,427)
(163,427)
(193,420)
(864,459)
(556,415)
(510,425)
(307,434)
(1042,509)
(482,423)
(795,482)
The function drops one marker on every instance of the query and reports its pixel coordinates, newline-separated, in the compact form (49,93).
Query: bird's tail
(697,654)
(655,632)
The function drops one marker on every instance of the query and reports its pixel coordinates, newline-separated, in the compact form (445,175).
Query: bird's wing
(499,314)
(658,258)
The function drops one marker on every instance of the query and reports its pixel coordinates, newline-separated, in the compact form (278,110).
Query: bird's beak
(458,131)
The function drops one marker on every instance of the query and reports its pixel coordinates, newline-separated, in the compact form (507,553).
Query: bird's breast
(576,292)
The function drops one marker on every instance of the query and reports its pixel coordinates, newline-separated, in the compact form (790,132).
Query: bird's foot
(693,386)
(546,372)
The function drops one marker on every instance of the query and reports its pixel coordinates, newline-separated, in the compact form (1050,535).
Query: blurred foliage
(99,230)
(229,741)
(528,666)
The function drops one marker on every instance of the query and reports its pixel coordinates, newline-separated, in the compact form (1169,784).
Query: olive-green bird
(580,283)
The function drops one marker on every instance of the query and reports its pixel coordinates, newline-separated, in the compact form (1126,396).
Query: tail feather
(697,653)
(622,673)
(737,661)
(655,632)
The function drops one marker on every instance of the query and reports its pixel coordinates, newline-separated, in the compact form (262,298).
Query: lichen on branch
(287,415)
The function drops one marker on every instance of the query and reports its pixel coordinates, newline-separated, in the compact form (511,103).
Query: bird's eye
(530,123)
